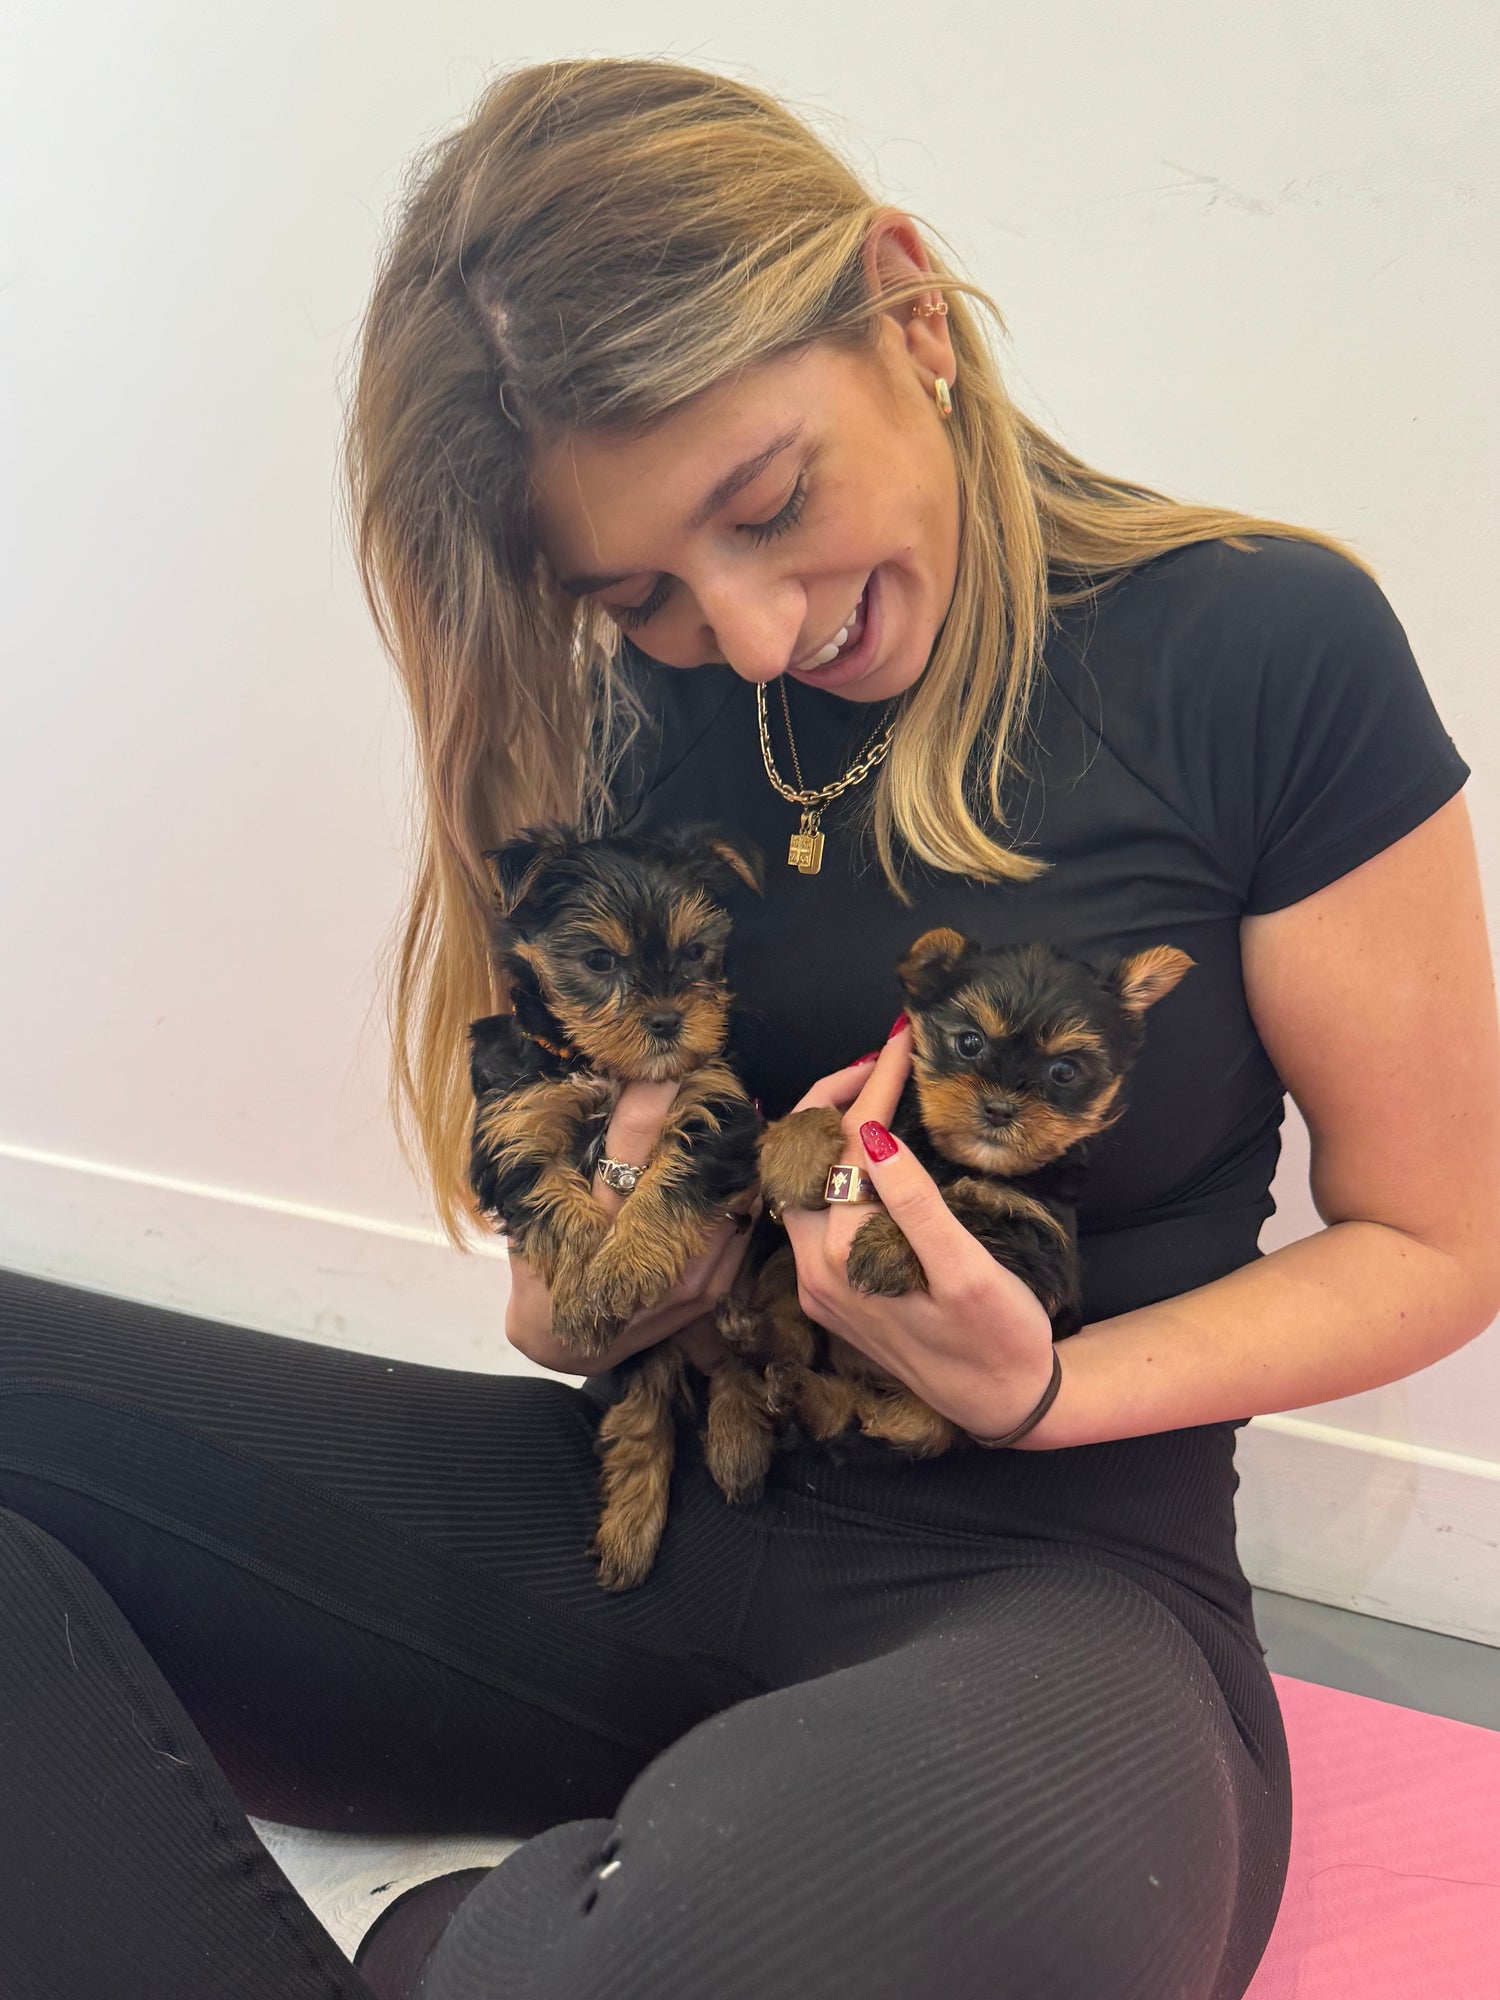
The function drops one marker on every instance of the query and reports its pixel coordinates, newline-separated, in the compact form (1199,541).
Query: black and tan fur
(613,953)
(1019,1058)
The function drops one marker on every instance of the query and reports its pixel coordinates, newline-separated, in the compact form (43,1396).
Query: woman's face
(852,478)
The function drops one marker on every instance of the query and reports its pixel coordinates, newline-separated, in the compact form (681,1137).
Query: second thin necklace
(805,852)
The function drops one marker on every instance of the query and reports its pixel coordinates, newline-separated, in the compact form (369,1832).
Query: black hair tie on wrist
(1030,1423)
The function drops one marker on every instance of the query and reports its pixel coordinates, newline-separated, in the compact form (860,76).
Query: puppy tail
(637,1442)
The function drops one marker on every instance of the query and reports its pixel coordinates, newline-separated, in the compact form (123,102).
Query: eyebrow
(733,482)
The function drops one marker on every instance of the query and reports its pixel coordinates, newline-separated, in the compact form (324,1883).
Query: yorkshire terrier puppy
(1019,1058)
(613,951)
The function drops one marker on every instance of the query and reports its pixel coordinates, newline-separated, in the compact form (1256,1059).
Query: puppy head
(622,940)
(1021,1052)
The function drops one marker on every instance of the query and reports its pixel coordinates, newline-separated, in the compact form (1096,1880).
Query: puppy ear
(514,866)
(935,965)
(1147,976)
(720,853)
(743,858)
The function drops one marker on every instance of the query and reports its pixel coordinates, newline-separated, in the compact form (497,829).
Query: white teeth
(830,651)
(840,638)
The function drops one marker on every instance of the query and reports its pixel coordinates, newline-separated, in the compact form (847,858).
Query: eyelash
(635,615)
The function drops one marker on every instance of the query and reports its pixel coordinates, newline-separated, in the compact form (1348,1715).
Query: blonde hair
(599,242)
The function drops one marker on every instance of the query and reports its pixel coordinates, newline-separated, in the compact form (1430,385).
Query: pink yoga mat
(1394,1887)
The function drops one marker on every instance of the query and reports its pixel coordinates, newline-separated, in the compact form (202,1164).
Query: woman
(658,415)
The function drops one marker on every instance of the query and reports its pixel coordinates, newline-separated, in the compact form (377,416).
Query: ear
(935,965)
(1147,976)
(716,849)
(894,254)
(743,858)
(514,866)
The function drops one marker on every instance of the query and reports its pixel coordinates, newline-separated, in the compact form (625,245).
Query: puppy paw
(737,1447)
(630,1273)
(795,1155)
(623,1556)
(824,1405)
(579,1326)
(739,1325)
(901,1419)
(783,1387)
(882,1262)
(577,1320)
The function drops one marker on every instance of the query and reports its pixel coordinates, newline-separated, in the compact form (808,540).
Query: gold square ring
(851,1185)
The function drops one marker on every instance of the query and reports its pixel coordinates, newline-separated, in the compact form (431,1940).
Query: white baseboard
(282,1267)
(1363,1522)
(1383,1526)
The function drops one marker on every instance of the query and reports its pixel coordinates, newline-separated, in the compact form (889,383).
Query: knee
(883,1872)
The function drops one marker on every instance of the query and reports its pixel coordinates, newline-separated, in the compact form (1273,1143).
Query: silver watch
(617,1175)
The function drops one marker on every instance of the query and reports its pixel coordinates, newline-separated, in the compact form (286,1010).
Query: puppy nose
(998,1113)
(665,1023)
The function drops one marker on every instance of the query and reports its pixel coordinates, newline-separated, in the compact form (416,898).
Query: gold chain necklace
(805,853)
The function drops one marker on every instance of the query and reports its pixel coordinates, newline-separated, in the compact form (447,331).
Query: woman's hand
(687,1308)
(977,1345)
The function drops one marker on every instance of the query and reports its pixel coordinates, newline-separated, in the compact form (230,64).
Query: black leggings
(852,1745)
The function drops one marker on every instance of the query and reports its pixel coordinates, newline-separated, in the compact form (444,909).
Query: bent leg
(246,1572)
(126,1865)
(369,1584)
(1041,1795)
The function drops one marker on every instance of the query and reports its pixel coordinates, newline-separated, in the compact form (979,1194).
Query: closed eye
(636,615)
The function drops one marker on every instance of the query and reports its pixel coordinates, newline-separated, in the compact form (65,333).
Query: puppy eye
(1062,1071)
(968,1042)
(693,952)
(599,961)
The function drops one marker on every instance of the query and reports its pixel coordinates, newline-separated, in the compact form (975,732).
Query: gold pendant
(805,853)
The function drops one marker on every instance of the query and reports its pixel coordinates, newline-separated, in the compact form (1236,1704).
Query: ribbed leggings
(830,1748)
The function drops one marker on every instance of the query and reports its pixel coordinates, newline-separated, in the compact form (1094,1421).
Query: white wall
(1245,254)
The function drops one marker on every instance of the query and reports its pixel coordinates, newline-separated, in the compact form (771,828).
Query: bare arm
(1375,999)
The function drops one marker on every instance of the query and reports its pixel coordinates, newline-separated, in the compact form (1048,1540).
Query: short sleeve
(1347,752)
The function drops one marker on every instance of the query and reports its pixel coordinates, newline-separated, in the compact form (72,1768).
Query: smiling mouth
(844,640)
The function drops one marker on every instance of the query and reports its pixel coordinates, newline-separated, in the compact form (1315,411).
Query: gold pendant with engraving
(805,853)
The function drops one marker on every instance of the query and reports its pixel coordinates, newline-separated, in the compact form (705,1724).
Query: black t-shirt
(1221,734)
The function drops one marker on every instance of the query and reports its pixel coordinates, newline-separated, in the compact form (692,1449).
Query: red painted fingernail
(871,1057)
(900,1024)
(877,1142)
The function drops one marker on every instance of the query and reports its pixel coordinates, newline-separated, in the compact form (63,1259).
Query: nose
(756,639)
(665,1024)
(998,1112)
